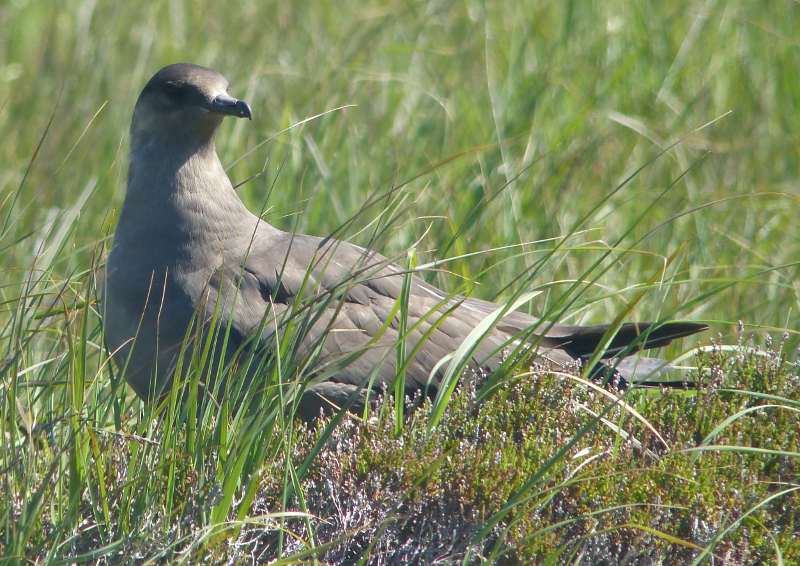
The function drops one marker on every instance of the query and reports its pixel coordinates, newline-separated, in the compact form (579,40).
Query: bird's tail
(632,369)
(583,341)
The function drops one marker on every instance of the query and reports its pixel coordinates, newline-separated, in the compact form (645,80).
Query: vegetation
(610,161)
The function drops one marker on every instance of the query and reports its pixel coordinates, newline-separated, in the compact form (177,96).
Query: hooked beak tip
(229,106)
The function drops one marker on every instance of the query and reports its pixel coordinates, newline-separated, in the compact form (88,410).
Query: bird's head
(184,101)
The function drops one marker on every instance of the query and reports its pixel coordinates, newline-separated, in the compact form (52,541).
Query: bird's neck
(182,184)
(158,162)
(170,168)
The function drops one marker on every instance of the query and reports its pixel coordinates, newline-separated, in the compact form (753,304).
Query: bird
(188,256)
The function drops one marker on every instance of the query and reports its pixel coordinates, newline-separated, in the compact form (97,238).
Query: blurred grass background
(549,107)
(591,90)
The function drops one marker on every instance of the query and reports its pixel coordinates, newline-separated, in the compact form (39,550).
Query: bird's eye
(173,90)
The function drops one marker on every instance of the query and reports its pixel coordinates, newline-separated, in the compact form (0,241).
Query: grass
(615,159)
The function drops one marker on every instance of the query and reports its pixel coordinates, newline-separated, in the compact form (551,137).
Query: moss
(432,496)
(427,494)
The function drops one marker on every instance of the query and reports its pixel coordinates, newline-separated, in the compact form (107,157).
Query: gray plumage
(186,244)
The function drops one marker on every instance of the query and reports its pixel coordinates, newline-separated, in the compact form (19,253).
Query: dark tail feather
(584,341)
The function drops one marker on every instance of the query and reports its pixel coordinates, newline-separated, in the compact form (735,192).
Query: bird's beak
(229,106)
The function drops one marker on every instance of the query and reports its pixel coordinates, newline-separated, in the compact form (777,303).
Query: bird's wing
(350,313)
